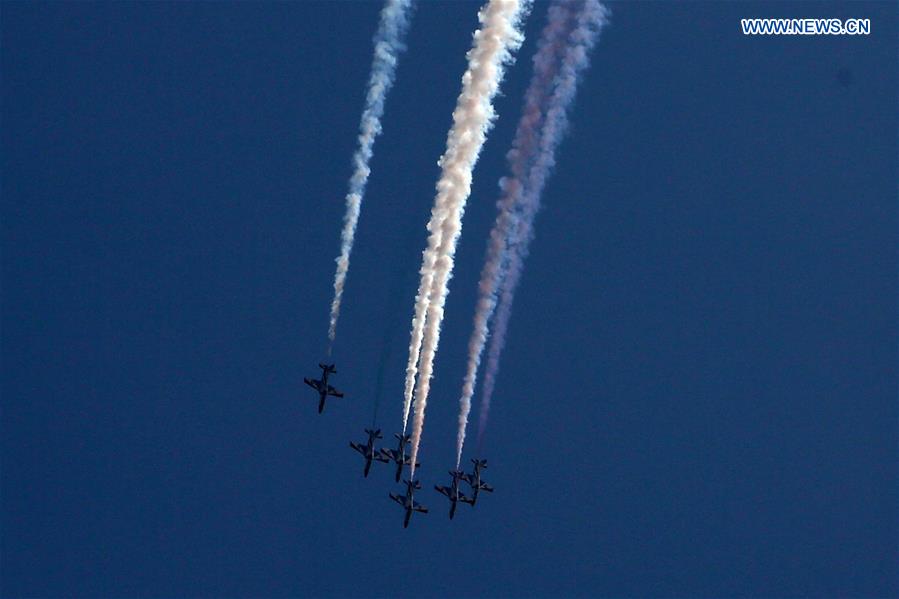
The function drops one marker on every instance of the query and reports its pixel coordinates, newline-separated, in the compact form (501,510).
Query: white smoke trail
(388,44)
(471,119)
(590,19)
(546,66)
(494,43)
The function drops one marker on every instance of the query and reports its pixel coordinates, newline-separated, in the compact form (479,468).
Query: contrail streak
(494,43)
(591,17)
(388,44)
(546,66)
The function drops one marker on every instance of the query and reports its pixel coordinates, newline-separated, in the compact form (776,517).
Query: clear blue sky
(699,393)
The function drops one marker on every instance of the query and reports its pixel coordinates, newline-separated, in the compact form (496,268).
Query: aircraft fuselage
(476,487)
(454,499)
(368,458)
(400,459)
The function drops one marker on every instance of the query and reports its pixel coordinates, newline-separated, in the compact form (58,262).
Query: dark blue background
(699,393)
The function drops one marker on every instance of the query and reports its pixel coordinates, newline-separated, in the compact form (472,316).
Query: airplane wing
(398,499)
(486,487)
(469,478)
(388,453)
(420,508)
(378,457)
(443,490)
(313,384)
(334,392)
(357,447)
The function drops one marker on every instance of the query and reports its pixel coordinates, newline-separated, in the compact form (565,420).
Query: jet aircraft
(368,450)
(408,503)
(399,455)
(453,492)
(474,480)
(322,386)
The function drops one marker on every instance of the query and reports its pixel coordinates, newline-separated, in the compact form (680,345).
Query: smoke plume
(591,17)
(494,43)
(388,44)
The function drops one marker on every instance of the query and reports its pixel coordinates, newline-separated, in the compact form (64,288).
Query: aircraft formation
(401,458)
(571,30)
